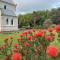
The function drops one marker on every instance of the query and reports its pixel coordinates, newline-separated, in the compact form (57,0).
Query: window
(12,22)
(7,21)
(4,6)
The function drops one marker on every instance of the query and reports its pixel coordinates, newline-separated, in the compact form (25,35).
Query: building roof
(9,1)
(8,12)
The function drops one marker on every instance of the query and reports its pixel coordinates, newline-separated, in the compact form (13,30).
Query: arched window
(12,22)
(7,21)
(4,6)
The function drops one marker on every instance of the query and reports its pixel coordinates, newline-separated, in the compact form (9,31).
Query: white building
(8,18)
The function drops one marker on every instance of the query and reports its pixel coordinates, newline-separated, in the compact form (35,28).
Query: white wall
(9,27)
(8,6)
(0,20)
(3,25)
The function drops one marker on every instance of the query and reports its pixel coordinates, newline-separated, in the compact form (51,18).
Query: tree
(55,15)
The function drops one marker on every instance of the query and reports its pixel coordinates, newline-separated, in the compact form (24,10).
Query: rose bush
(32,45)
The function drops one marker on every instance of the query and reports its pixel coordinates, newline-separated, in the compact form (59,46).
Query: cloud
(32,5)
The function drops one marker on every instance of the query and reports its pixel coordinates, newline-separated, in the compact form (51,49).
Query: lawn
(8,34)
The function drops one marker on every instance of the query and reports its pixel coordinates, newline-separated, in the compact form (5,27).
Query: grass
(7,34)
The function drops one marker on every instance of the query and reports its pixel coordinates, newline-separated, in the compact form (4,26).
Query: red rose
(50,29)
(29,38)
(21,35)
(19,39)
(16,56)
(57,27)
(6,39)
(25,32)
(49,38)
(3,46)
(16,45)
(39,34)
(26,44)
(52,51)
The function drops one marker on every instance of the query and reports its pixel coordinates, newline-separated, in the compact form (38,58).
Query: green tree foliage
(24,20)
(55,15)
(32,19)
(39,17)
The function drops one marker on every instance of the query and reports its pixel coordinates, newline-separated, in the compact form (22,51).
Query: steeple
(10,1)
(9,7)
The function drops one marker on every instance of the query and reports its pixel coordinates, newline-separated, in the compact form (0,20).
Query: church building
(8,18)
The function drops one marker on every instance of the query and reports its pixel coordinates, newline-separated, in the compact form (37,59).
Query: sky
(27,6)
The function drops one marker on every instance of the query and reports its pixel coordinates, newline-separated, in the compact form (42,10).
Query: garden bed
(33,44)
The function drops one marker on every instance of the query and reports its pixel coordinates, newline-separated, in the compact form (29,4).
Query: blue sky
(26,6)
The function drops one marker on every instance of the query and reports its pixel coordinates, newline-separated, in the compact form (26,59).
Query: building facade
(8,18)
